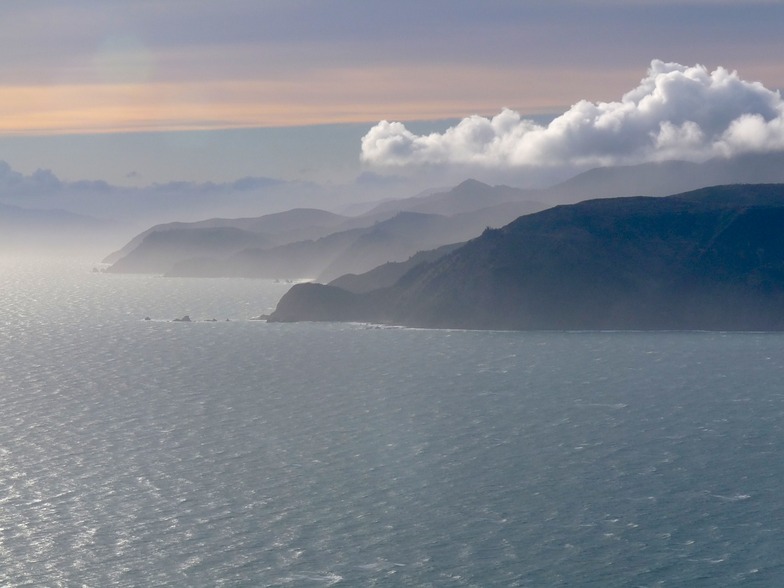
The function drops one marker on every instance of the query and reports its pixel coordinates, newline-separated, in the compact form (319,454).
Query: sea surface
(239,453)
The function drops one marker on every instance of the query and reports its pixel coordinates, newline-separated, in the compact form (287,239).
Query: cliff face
(318,302)
(709,259)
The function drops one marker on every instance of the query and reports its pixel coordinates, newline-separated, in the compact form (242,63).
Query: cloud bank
(676,112)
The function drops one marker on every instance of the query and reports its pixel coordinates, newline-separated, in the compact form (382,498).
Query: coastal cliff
(708,259)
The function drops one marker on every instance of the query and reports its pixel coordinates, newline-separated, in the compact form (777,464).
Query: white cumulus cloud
(676,112)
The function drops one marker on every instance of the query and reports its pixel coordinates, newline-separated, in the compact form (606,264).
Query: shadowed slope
(709,259)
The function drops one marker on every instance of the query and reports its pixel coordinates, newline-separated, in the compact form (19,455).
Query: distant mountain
(665,178)
(277,228)
(11,216)
(29,228)
(159,250)
(389,273)
(330,245)
(301,259)
(647,179)
(709,259)
(294,244)
(354,250)
(395,240)
(133,207)
(351,251)
(467,196)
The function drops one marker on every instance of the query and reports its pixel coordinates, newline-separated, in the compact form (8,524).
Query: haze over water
(140,452)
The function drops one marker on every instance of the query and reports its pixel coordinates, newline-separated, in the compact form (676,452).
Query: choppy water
(139,453)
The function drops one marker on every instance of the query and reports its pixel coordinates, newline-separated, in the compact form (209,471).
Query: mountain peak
(470,185)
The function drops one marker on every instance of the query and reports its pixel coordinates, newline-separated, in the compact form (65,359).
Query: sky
(144,92)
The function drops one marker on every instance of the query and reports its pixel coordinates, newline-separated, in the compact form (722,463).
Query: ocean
(239,453)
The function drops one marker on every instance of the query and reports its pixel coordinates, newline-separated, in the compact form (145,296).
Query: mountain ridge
(367,241)
(707,259)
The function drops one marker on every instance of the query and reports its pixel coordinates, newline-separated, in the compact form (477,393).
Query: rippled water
(140,453)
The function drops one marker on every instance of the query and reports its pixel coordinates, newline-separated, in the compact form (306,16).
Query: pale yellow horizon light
(325,97)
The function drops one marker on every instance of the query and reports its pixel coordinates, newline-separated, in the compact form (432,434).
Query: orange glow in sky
(134,69)
(108,67)
(422,93)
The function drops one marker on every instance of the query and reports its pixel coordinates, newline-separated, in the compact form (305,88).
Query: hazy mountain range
(322,245)
(126,212)
(708,259)
(305,243)
(26,227)
(625,256)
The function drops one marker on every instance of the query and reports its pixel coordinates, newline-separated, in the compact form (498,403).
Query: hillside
(350,251)
(159,250)
(466,197)
(277,228)
(329,246)
(708,259)
(290,243)
(666,177)
(389,273)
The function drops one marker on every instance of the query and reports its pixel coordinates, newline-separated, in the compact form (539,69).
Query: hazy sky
(149,91)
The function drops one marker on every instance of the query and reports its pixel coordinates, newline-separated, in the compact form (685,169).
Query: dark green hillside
(709,259)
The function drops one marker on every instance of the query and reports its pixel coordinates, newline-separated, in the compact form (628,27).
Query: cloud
(676,112)
(15,183)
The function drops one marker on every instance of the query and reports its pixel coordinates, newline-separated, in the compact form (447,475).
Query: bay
(235,453)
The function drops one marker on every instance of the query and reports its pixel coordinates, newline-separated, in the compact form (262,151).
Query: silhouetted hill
(351,251)
(302,259)
(331,245)
(24,228)
(292,221)
(467,196)
(666,177)
(14,215)
(389,273)
(355,250)
(646,179)
(159,250)
(277,228)
(470,207)
(708,259)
